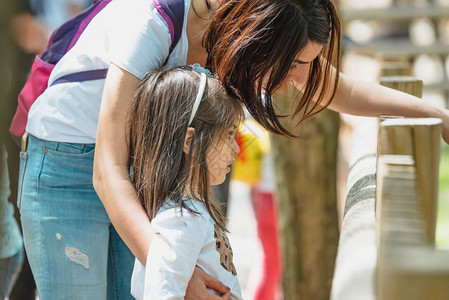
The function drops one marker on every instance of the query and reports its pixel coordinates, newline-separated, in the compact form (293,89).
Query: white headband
(199,96)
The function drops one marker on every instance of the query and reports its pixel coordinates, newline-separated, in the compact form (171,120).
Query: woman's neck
(198,19)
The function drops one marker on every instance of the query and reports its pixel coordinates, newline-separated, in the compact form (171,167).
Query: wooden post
(419,138)
(406,84)
(407,270)
(305,171)
(394,65)
(407,189)
(395,68)
(412,273)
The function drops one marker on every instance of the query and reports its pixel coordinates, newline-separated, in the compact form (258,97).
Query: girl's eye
(293,66)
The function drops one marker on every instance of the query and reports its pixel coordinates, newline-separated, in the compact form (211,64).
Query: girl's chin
(218,182)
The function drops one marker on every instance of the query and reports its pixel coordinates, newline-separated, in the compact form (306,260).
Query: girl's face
(220,156)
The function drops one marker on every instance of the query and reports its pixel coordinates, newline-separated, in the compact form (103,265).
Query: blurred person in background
(24,33)
(11,244)
(53,13)
(20,36)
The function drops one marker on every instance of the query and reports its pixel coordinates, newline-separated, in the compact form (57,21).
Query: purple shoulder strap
(171,10)
(173,13)
(65,37)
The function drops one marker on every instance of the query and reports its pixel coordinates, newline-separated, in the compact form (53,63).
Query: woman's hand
(445,118)
(199,285)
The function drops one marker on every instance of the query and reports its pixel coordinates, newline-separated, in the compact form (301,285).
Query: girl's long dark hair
(249,40)
(158,121)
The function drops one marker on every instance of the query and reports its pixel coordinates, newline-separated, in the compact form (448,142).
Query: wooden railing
(356,261)
(386,247)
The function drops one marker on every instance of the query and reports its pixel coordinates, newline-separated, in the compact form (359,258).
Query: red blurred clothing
(267,230)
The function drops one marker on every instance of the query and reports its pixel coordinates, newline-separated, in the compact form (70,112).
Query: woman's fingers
(446,126)
(214,284)
(201,282)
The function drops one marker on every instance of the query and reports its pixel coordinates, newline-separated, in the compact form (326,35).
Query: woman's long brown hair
(249,40)
(158,121)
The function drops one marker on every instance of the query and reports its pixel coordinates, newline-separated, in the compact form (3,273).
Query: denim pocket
(71,150)
(23,163)
(67,165)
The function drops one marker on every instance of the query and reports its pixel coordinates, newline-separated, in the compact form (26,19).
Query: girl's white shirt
(182,242)
(129,33)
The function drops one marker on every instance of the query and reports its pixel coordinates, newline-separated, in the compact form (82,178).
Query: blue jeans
(74,251)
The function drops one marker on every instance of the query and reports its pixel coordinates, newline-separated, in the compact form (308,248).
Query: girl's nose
(235,147)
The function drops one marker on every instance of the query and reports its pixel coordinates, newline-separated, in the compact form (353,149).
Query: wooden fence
(386,248)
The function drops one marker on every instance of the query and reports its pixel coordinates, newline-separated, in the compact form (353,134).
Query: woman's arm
(369,99)
(111,177)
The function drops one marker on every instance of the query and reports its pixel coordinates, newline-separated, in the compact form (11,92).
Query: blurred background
(380,38)
(403,37)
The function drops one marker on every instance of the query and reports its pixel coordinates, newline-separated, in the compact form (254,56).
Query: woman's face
(299,71)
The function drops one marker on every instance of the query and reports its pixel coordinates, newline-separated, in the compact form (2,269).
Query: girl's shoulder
(194,211)
(192,204)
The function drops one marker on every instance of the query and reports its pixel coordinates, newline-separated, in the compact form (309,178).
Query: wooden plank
(406,84)
(399,220)
(396,194)
(414,274)
(397,46)
(401,12)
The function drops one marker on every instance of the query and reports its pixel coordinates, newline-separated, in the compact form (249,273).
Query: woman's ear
(188,140)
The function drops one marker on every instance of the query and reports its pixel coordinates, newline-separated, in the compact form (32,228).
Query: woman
(252,45)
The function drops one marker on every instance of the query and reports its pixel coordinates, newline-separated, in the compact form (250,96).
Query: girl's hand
(201,282)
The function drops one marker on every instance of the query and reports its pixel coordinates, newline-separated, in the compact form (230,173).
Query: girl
(182,140)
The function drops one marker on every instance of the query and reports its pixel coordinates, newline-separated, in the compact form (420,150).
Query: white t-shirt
(182,242)
(129,33)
